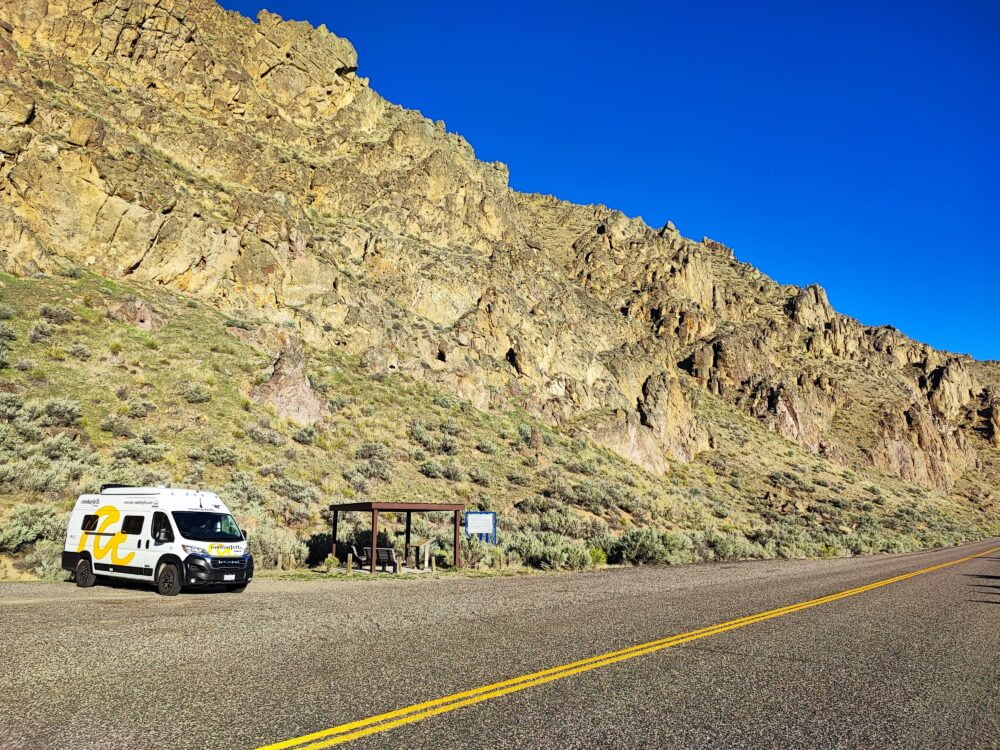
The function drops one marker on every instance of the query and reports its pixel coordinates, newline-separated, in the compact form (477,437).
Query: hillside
(586,375)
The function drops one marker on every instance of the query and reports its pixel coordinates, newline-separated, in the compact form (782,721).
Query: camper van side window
(132,525)
(161,524)
(89,522)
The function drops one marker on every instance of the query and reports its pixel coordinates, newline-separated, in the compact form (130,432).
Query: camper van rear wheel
(168,580)
(84,574)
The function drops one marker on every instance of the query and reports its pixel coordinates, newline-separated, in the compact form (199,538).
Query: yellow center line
(382,722)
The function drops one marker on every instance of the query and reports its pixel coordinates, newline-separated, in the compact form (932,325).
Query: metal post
(350,562)
(374,539)
(406,546)
(458,543)
(333,545)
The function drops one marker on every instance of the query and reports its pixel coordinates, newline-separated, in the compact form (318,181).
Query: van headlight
(192,549)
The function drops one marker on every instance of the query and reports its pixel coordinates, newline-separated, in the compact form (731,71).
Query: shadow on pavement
(122,584)
(980,575)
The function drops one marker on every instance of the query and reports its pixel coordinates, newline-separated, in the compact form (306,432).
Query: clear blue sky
(853,144)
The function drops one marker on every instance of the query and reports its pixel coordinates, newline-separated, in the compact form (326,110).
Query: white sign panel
(480,523)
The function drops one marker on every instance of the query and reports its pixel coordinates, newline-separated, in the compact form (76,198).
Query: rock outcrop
(174,143)
(288,390)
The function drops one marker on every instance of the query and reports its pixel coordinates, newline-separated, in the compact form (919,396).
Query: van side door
(136,529)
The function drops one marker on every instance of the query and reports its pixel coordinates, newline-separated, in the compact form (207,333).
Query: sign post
(481,524)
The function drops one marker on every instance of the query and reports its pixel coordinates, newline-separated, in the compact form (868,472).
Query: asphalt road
(913,664)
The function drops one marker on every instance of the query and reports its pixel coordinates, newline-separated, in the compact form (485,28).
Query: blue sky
(853,144)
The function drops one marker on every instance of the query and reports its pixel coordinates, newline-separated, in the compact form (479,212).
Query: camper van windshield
(201,526)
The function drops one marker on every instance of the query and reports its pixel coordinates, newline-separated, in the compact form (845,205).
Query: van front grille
(224,562)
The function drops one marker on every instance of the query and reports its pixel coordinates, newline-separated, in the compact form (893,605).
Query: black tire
(83,574)
(168,579)
(239,588)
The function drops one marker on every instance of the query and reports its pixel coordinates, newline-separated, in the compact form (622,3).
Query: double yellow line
(418,712)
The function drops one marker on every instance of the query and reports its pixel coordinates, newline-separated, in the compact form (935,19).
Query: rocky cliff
(175,144)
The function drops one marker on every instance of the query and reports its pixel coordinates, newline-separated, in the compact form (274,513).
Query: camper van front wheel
(84,574)
(168,580)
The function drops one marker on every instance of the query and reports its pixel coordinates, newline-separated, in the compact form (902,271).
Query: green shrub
(732,546)
(447,444)
(357,480)
(7,333)
(45,560)
(243,492)
(547,550)
(264,435)
(40,332)
(117,426)
(299,492)
(305,435)
(564,521)
(640,546)
(53,412)
(451,470)
(480,476)
(450,427)
(62,446)
(597,556)
(268,542)
(139,409)
(375,468)
(432,469)
(196,394)
(519,478)
(141,450)
(221,455)
(55,314)
(375,450)
(6,313)
(79,351)
(30,523)
(487,447)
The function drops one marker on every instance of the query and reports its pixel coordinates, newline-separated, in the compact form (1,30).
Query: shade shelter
(409,509)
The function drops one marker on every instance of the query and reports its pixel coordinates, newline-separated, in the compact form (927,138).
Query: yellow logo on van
(109,516)
(222,550)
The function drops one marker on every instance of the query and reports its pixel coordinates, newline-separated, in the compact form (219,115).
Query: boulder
(85,132)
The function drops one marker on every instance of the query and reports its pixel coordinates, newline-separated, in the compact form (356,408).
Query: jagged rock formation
(171,142)
(288,390)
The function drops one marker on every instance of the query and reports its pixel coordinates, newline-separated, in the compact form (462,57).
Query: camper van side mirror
(246,536)
(163,536)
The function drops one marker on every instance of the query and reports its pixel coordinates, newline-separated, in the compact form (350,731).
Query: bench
(360,560)
(384,557)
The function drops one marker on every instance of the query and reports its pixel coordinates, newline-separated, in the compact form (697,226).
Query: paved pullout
(914,664)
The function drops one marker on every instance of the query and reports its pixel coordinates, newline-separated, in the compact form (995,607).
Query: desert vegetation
(178,412)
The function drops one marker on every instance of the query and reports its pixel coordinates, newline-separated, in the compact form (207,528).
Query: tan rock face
(246,164)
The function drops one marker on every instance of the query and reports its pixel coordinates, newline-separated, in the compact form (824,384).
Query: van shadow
(123,584)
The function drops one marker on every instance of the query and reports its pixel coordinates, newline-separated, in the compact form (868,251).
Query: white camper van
(171,537)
